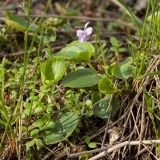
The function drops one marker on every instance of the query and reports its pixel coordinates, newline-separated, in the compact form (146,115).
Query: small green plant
(77,52)
(56,93)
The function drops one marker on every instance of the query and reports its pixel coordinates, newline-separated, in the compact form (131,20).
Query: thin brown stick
(142,124)
(113,148)
(123,144)
(88,152)
(150,151)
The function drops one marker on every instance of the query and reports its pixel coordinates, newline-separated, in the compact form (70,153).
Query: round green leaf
(77,51)
(124,70)
(52,70)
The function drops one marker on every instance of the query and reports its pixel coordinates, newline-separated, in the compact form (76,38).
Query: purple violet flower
(84,35)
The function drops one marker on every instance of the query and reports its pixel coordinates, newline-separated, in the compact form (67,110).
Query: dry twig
(113,148)
(124,144)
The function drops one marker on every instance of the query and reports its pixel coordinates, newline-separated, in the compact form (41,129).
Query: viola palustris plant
(87,93)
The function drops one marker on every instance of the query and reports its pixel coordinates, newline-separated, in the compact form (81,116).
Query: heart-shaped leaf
(124,70)
(81,78)
(77,51)
(62,129)
(52,70)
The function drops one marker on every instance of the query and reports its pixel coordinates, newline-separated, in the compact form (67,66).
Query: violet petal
(83,38)
(89,30)
(80,33)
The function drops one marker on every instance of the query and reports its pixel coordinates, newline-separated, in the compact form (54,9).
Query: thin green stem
(145,23)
